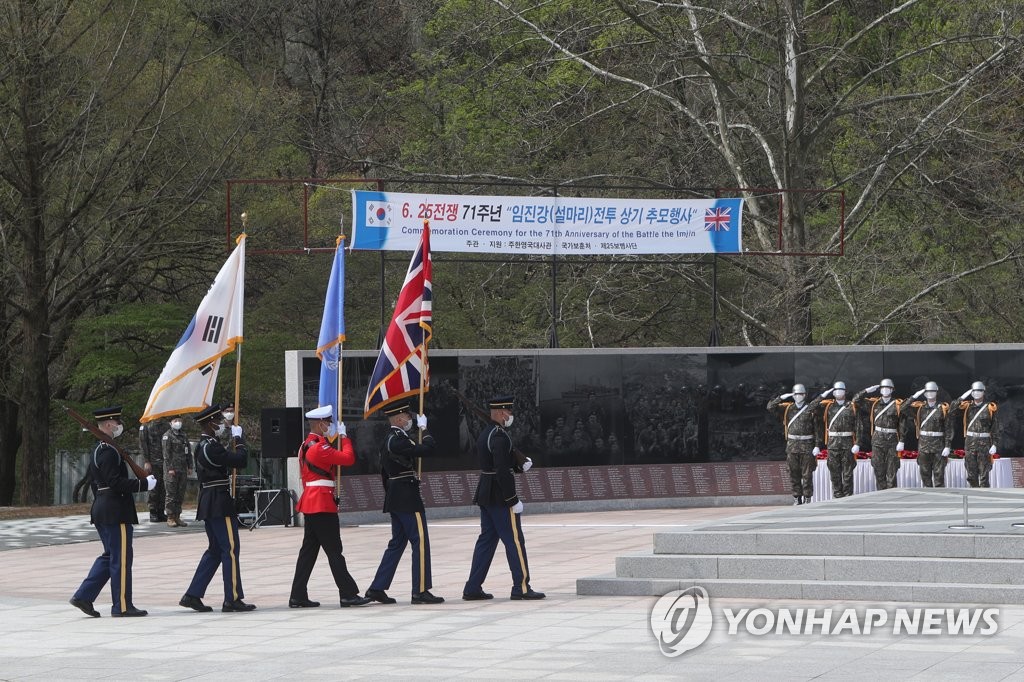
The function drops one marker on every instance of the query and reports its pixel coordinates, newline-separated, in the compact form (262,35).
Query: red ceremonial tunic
(319,499)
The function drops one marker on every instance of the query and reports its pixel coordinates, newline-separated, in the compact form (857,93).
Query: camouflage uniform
(177,463)
(981,432)
(934,433)
(839,422)
(884,420)
(151,445)
(799,425)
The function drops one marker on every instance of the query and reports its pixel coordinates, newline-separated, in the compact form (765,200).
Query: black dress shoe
(426,598)
(355,601)
(302,604)
(132,612)
(529,595)
(380,596)
(85,607)
(477,596)
(237,606)
(194,603)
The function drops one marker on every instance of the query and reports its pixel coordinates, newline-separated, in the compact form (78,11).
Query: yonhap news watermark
(682,620)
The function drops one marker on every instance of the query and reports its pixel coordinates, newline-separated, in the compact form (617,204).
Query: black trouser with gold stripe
(115,565)
(222,550)
(406,529)
(499,523)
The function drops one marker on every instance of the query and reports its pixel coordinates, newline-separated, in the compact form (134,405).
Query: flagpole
(238,382)
(423,375)
(337,469)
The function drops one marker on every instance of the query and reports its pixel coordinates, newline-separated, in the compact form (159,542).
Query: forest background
(122,122)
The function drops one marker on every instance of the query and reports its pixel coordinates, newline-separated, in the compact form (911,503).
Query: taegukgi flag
(190,375)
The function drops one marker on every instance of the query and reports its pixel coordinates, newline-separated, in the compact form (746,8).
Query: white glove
(827,393)
(992,450)
(421,422)
(529,463)
(236,431)
(966,394)
(151,482)
(899,446)
(945,452)
(855,449)
(341,429)
(517,508)
(816,451)
(918,394)
(785,395)
(871,389)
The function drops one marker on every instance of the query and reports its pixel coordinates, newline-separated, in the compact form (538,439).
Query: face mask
(798,398)
(229,416)
(886,392)
(977,395)
(332,430)
(118,430)
(407,426)
(508,420)
(219,430)
(840,394)
(930,395)
(176,426)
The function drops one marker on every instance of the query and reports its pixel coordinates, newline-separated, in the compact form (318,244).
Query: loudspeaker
(273,507)
(281,431)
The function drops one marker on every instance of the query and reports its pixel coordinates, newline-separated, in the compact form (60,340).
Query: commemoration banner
(393,221)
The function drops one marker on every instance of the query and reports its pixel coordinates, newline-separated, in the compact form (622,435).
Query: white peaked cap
(324,412)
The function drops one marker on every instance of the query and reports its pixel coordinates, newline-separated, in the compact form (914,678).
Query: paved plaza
(565,636)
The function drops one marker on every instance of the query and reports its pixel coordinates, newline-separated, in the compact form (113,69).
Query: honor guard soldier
(799,421)
(500,508)
(403,501)
(981,433)
(151,445)
(217,511)
(884,427)
(322,528)
(177,462)
(839,418)
(934,429)
(113,514)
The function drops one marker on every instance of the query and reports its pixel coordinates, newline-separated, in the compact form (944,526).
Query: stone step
(757,568)
(952,544)
(868,591)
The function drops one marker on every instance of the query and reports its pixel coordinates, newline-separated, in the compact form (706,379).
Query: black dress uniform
(496,497)
(216,510)
(113,514)
(403,501)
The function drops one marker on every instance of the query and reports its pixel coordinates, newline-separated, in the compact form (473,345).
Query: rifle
(486,418)
(139,472)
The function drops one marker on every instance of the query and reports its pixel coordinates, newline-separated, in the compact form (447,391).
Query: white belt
(975,434)
(932,433)
(320,483)
(881,430)
(839,434)
(801,437)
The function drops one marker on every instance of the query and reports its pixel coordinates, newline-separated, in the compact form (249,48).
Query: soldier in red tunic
(317,460)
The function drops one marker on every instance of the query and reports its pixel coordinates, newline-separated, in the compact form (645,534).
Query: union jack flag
(717,218)
(403,355)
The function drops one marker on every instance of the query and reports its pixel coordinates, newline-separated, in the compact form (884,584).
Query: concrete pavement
(563,637)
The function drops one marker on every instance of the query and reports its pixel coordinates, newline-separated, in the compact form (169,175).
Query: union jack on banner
(717,218)
(402,357)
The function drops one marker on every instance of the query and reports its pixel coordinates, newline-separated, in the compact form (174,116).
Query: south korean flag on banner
(379,214)
(190,375)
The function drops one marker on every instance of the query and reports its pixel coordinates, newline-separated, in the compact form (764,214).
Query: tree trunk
(10,441)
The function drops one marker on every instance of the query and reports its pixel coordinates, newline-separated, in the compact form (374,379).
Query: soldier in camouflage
(151,444)
(934,428)
(177,464)
(839,422)
(799,419)
(981,434)
(884,417)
